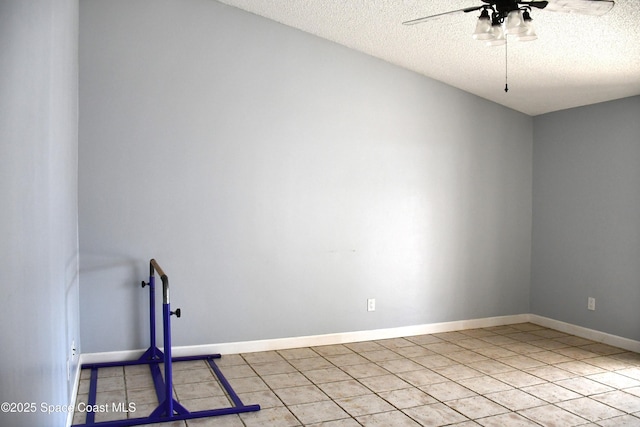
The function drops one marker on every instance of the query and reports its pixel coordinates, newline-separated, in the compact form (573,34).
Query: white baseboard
(313,340)
(110,356)
(377,334)
(74,392)
(590,334)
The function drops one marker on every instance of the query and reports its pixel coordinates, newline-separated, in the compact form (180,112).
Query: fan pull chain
(506,84)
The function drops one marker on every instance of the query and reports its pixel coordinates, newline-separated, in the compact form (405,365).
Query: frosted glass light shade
(483,29)
(530,34)
(515,23)
(498,36)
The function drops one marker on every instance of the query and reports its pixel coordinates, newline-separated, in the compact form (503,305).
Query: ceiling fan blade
(426,18)
(584,7)
(538,4)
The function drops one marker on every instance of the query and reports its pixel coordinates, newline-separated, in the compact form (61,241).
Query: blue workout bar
(169,409)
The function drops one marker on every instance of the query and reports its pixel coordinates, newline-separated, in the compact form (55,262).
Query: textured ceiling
(576,60)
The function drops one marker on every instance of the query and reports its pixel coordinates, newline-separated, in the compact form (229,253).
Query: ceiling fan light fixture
(515,23)
(483,27)
(483,30)
(530,34)
(499,37)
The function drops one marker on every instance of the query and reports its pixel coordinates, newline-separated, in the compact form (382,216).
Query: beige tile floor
(516,375)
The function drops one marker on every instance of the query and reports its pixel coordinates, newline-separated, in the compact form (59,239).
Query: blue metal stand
(169,409)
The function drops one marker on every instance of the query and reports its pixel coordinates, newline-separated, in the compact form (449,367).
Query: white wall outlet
(371,304)
(591,303)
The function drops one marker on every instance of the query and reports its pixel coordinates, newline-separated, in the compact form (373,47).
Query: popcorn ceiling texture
(576,60)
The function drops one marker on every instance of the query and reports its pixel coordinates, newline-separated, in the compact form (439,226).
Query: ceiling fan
(515,16)
(502,18)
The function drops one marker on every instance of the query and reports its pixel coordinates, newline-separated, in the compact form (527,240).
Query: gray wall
(586,216)
(38,219)
(281,180)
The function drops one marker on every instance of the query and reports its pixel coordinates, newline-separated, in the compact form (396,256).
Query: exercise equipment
(169,409)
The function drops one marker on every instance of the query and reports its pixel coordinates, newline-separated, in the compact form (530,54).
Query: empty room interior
(373,223)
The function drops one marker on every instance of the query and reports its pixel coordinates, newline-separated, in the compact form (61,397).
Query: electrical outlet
(371,304)
(591,303)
